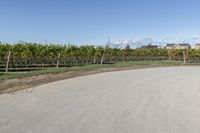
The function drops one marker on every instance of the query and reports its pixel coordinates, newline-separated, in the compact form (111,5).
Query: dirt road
(158,100)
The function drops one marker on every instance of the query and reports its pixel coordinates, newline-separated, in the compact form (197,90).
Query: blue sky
(91,21)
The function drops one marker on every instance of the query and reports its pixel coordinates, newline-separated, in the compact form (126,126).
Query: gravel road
(157,100)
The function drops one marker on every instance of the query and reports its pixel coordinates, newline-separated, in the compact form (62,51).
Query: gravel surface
(158,100)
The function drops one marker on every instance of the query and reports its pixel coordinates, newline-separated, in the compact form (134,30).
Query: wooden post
(8,60)
(184,57)
(170,58)
(94,60)
(102,58)
(58,61)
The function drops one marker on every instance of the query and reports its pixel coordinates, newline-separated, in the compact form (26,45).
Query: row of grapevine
(27,54)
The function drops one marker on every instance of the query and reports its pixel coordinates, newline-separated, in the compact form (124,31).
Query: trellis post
(58,61)
(7,63)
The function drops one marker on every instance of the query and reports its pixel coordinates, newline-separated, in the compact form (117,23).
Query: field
(36,56)
(28,63)
(14,81)
(90,67)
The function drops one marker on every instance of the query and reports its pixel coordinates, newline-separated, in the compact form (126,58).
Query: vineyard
(32,55)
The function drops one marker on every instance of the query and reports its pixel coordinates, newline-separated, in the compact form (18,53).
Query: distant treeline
(32,53)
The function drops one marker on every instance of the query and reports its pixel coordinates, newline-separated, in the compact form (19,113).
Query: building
(178,46)
(171,46)
(197,46)
(150,46)
(184,46)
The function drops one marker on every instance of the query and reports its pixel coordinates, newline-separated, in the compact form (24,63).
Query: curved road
(158,100)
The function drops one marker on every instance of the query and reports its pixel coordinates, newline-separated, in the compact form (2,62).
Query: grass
(132,64)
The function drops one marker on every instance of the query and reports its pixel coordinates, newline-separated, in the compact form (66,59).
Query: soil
(13,85)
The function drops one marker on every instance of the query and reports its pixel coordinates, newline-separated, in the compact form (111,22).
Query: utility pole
(108,43)
(46,41)
(108,40)
(107,46)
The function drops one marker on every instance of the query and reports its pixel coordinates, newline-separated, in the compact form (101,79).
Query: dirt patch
(13,85)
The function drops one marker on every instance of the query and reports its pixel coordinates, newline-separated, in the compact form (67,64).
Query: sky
(92,21)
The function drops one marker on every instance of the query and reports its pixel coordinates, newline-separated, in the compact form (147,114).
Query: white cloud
(160,42)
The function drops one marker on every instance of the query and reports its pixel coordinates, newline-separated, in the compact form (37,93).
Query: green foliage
(88,53)
(4,48)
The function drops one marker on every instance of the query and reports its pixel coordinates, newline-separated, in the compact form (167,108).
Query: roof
(150,46)
(171,45)
(181,44)
(184,44)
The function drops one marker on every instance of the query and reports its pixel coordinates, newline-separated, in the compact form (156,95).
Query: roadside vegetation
(37,55)
(88,68)
(32,59)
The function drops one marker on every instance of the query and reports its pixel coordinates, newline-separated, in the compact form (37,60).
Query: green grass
(133,64)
